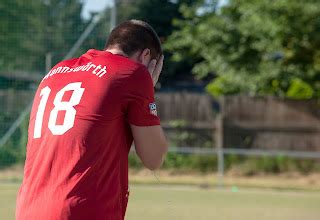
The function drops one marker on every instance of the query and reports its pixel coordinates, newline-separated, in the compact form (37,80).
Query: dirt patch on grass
(284,181)
(13,173)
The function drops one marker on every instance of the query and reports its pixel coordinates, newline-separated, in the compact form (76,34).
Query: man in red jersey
(86,113)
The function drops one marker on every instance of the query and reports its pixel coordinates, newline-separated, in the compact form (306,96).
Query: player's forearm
(151,145)
(160,150)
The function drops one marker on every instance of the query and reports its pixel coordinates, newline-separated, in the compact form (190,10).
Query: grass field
(189,203)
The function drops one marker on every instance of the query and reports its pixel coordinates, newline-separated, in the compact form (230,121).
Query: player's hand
(155,67)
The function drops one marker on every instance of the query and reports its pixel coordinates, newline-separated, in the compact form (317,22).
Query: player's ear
(145,56)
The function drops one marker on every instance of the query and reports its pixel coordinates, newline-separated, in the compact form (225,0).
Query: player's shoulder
(122,64)
(141,71)
(140,77)
(69,62)
(116,61)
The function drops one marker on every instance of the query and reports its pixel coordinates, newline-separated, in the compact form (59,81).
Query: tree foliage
(31,29)
(160,15)
(258,47)
(18,20)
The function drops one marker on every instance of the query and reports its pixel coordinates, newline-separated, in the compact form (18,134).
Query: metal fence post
(220,182)
(219,149)
(220,143)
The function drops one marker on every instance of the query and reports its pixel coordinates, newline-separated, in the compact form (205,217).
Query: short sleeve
(141,106)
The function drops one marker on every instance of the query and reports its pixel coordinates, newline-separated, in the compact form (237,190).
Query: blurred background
(238,99)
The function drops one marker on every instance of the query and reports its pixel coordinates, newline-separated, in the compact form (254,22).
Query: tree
(19,23)
(160,15)
(257,47)
(30,29)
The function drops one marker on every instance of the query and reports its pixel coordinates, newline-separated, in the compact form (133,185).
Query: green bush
(14,150)
(242,164)
(134,161)
(299,89)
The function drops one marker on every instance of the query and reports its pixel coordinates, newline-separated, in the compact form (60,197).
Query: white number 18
(59,105)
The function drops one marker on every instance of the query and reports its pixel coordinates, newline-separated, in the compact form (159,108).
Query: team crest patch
(153,108)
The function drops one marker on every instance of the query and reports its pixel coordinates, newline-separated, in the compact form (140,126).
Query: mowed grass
(191,203)
(8,193)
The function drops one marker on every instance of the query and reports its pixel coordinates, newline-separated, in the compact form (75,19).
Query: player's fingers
(152,66)
(159,66)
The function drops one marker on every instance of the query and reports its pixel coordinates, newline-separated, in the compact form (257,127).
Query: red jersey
(79,138)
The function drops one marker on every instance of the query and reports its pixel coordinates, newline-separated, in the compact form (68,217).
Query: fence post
(219,148)
(219,142)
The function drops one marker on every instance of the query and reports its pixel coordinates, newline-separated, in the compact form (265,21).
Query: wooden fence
(270,123)
(247,122)
(230,122)
(194,108)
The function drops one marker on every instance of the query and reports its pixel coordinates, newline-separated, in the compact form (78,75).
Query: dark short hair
(134,35)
